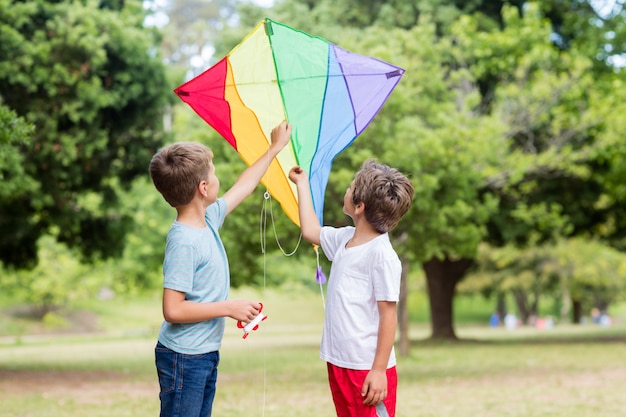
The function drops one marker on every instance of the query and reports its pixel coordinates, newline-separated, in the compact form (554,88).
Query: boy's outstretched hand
(297,174)
(280,135)
(309,224)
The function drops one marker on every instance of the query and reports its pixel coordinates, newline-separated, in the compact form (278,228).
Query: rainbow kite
(276,73)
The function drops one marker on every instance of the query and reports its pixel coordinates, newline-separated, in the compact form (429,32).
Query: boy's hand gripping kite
(253,325)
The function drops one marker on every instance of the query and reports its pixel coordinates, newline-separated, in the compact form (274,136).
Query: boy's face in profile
(348,205)
(212,185)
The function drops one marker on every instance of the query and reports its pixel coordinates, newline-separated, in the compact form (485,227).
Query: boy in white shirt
(363,288)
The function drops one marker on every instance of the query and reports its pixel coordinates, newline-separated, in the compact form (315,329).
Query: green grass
(569,371)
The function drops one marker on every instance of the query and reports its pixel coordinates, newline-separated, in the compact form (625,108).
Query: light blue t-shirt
(196,264)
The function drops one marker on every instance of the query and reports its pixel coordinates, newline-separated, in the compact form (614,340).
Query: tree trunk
(534,306)
(442,275)
(566,302)
(577,311)
(501,304)
(403,311)
(521,301)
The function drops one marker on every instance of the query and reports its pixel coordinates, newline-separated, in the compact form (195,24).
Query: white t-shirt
(360,276)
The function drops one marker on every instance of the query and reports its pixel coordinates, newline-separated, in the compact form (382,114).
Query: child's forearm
(176,309)
(386,334)
(309,223)
(249,179)
(374,389)
(279,139)
(191,312)
(254,173)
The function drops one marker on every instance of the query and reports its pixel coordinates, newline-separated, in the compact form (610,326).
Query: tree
(454,125)
(429,130)
(578,274)
(57,279)
(501,128)
(15,134)
(560,105)
(87,76)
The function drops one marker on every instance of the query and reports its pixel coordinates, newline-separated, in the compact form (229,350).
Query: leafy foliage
(56,280)
(89,81)
(586,271)
(505,133)
(509,120)
(15,135)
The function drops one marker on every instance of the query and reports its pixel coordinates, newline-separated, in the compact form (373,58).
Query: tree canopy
(88,78)
(508,121)
(505,121)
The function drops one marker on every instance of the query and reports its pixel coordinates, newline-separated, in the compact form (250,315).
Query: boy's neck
(191,215)
(363,233)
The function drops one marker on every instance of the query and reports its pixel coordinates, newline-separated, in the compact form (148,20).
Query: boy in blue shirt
(195,269)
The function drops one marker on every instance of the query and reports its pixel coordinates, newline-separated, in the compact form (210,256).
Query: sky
(603,7)
(264,3)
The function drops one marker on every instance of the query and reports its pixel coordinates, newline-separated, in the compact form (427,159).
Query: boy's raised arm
(309,224)
(250,178)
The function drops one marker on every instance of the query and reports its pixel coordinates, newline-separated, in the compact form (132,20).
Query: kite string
(267,200)
(320,277)
(263,240)
(268,197)
(264,245)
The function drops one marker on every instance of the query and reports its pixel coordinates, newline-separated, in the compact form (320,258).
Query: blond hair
(177,169)
(386,193)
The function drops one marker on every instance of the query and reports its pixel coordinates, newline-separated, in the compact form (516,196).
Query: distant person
(363,288)
(605,320)
(595,315)
(195,271)
(494,320)
(510,321)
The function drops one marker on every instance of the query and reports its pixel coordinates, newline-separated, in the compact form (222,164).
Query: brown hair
(386,193)
(177,169)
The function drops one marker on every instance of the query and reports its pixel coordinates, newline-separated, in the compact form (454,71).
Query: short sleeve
(178,267)
(216,213)
(387,275)
(332,239)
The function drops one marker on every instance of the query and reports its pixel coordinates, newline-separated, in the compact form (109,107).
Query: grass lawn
(569,371)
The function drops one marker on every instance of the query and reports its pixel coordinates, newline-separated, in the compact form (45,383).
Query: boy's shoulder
(338,232)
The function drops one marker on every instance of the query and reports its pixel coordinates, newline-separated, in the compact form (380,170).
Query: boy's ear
(202,188)
(359,208)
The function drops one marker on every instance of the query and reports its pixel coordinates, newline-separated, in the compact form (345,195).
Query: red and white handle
(253,325)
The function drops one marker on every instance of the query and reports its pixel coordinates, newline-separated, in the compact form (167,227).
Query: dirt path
(95,387)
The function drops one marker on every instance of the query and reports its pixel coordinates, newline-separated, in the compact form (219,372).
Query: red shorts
(345,386)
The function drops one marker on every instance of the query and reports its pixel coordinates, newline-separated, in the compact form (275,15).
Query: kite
(328,95)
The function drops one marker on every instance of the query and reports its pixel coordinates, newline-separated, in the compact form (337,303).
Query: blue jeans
(187,382)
